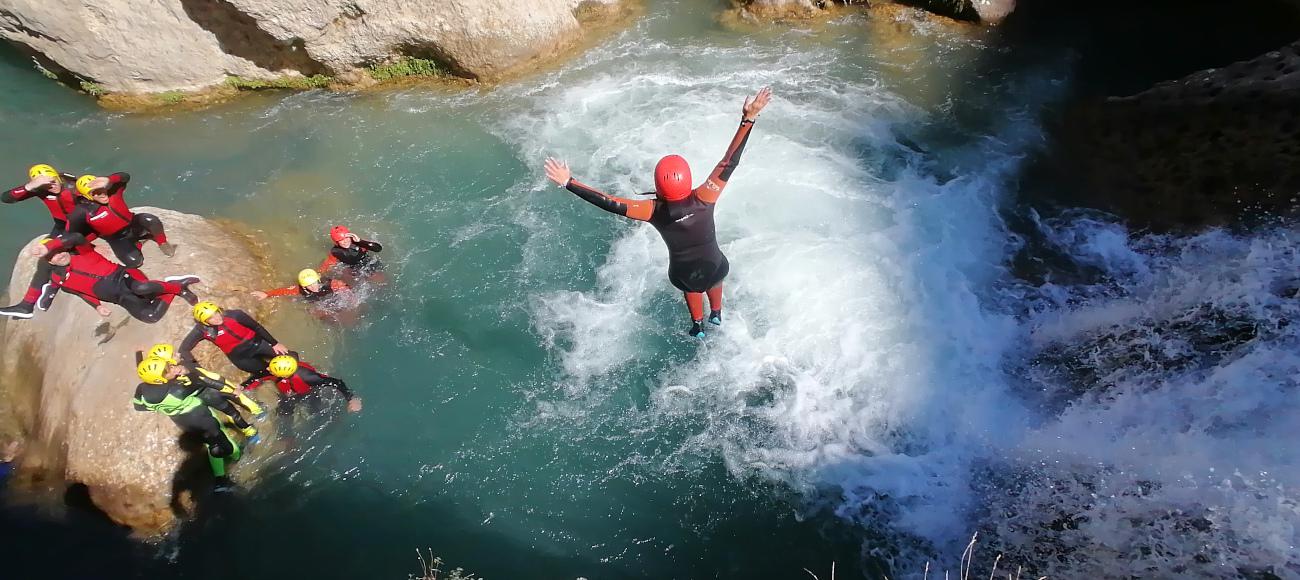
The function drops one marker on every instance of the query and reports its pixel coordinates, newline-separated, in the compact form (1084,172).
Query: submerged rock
(187,45)
(70,378)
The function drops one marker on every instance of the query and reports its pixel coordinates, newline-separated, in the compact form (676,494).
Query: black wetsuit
(303,388)
(191,401)
(358,258)
(249,350)
(695,262)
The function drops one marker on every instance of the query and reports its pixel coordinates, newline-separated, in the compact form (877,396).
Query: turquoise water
(533,407)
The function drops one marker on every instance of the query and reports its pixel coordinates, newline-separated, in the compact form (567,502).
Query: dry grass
(431,569)
(967,558)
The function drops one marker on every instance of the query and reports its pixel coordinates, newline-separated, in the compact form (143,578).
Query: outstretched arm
(637,209)
(712,188)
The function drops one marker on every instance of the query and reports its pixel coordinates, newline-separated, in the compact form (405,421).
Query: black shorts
(699,275)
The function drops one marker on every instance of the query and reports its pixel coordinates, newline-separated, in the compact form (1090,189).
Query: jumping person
(96,280)
(311,287)
(110,218)
(231,391)
(296,382)
(354,253)
(55,190)
(683,217)
(192,401)
(246,343)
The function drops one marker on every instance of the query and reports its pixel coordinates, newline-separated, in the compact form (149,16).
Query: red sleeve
(17,194)
(327,264)
(286,291)
(712,187)
(337,285)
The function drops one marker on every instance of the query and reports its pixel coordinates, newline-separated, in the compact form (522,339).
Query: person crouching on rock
(55,190)
(231,391)
(355,255)
(247,344)
(298,382)
(311,287)
(110,218)
(95,279)
(193,402)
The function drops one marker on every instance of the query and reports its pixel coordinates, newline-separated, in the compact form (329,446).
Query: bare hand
(280,348)
(40,182)
(103,310)
(354,237)
(258,294)
(558,171)
(98,183)
(354,405)
(39,250)
(754,105)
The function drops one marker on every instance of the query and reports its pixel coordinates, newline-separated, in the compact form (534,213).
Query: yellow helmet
(283,366)
(83,185)
(203,311)
(41,169)
(308,277)
(163,351)
(152,370)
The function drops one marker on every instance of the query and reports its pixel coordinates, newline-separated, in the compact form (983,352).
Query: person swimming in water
(298,383)
(311,286)
(682,215)
(354,255)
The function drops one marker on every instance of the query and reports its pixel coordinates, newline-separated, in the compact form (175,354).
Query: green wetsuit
(192,401)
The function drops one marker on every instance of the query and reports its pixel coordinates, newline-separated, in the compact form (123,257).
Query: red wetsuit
(300,386)
(328,286)
(59,204)
(246,343)
(114,221)
(96,279)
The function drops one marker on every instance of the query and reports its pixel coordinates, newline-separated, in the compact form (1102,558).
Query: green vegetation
(172,97)
(406,66)
(45,72)
(92,89)
(289,82)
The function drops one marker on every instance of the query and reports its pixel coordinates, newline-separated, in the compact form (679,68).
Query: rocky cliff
(986,11)
(164,45)
(70,378)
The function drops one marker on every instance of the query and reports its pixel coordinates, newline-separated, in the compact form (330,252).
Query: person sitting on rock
(193,401)
(231,391)
(311,287)
(55,190)
(97,280)
(110,218)
(355,255)
(247,344)
(297,383)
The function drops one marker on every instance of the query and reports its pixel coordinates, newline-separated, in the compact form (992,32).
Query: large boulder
(986,11)
(1215,147)
(70,378)
(162,45)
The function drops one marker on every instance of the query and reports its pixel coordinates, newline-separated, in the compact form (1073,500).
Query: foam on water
(879,358)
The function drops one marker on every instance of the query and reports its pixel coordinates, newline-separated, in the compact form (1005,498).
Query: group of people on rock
(88,208)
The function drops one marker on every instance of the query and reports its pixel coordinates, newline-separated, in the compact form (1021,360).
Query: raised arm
(637,209)
(186,350)
(117,182)
(712,187)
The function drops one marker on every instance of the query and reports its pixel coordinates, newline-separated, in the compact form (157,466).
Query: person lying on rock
(247,344)
(96,280)
(311,287)
(297,383)
(354,256)
(55,190)
(231,391)
(110,218)
(195,403)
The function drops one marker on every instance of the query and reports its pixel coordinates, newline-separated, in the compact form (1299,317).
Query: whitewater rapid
(878,356)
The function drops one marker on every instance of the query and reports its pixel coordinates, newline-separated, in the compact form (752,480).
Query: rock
(75,378)
(1215,147)
(162,45)
(993,11)
(784,9)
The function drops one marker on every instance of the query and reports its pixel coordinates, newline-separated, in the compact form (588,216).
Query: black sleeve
(77,232)
(186,349)
(216,400)
(596,198)
(246,320)
(10,197)
(254,380)
(729,164)
(370,246)
(138,401)
(317,380)
(117,182)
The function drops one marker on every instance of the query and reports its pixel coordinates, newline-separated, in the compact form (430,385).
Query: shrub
(172,97)
(92,89)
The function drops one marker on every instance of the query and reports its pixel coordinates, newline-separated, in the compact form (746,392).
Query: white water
(878,357)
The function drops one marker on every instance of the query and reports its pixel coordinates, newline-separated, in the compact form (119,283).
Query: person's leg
(36,290)
(715,304)
(695,303)
(147,310)
(126,250)
(150,227)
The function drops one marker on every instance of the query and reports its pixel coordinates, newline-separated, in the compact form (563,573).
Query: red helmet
(339,232)
(672,178)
